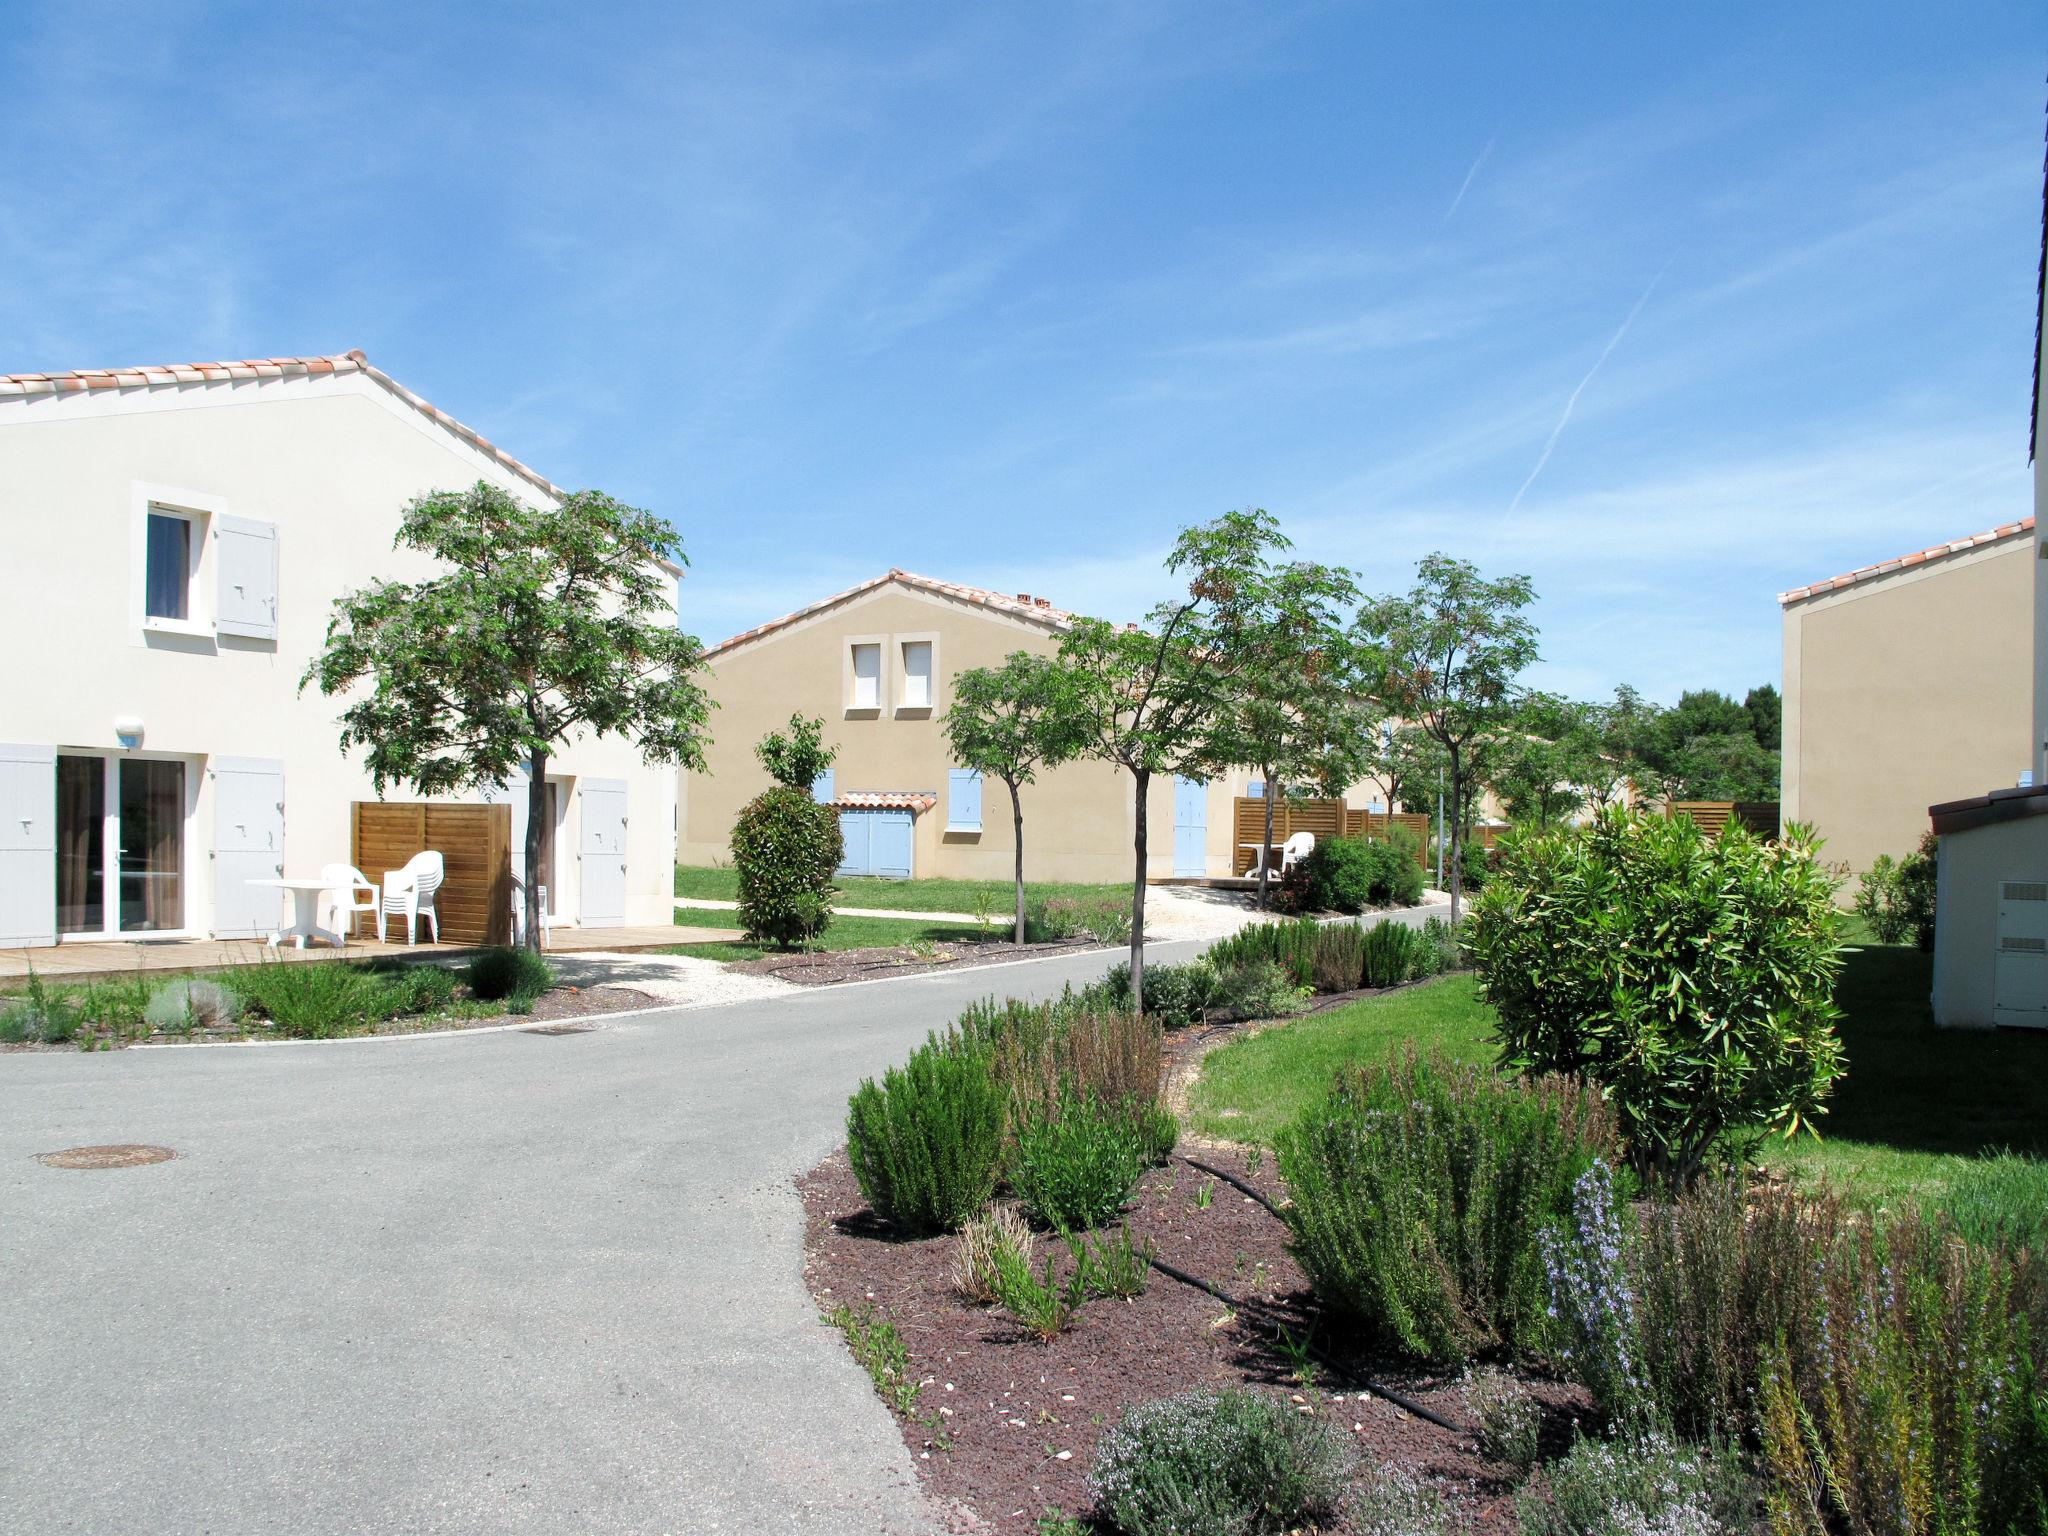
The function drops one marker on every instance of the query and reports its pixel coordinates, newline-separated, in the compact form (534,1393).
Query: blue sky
(1669,307)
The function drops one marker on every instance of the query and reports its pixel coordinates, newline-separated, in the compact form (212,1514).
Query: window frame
(853,708)
(903,708)
(198,510)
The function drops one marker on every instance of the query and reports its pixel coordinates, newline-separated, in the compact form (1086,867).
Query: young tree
(1546,768)
(1297,713)
(1630,727)
(546,623)
(1151,698)
(1448,655)
(785,845)
(1009,722)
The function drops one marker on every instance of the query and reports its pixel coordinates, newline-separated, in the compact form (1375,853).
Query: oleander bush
(786,848)
(1691,978)
(926,1142)
(1179,996)
(1076,1161)
(1233,1462)
(1420,1189)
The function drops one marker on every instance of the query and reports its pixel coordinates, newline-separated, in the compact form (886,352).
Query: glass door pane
(551,821)
(152,845)
(81,844)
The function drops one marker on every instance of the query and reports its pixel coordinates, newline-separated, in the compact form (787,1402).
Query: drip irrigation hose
(1234,1181)
(1276,1332)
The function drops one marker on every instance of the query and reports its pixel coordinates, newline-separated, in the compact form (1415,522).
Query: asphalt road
(493,1283)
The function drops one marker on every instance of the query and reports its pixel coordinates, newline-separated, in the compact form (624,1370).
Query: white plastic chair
(410,892)
(1295,849)
(351,895)
(519,912)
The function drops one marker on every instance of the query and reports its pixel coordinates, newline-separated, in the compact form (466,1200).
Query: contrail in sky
(1605,352)
(1466,185)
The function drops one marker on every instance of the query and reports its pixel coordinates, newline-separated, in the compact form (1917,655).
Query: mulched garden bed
(1005,1427)
(825,968)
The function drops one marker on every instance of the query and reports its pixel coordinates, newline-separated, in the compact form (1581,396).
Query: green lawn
(901,895)
(844,933)
(1915,1102)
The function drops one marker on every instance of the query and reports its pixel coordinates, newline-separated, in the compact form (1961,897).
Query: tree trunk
(1144,782)
(1457,831)
(1266,853)
(537,830)
(1017,823)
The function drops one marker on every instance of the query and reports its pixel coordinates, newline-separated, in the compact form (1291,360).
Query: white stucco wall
(331,461)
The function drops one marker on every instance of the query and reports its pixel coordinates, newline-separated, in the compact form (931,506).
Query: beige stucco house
(1907,683)
(174,538)
(875,662)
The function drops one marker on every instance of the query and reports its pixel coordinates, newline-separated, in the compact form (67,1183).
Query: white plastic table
(306,896)
(1262,852)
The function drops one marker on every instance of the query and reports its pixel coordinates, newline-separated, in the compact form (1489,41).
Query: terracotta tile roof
(1904,562)
(1036,610)
(175,375)
(885,800)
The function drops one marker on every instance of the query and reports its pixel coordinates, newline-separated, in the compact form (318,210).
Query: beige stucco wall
(331,461)
(1078,819)
(1906,690)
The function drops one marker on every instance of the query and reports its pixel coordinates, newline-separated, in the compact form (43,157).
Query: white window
(866,692)
(917,674)
(171,543)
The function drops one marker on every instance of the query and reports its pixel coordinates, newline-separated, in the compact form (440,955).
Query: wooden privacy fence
(1713,816)
(1324,818)
(475,844)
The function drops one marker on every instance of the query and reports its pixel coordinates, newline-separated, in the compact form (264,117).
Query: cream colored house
(174,538)
(1908,683)
(876,662)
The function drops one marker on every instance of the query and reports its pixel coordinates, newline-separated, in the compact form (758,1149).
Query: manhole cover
(561,1029)
(126,1155)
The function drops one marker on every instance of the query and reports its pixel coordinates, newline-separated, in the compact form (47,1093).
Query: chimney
(1045,602)
(1024,598)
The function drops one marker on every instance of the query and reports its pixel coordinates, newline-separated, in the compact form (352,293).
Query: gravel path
(679,980)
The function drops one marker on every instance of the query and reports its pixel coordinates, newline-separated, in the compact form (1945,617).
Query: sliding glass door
(120,844)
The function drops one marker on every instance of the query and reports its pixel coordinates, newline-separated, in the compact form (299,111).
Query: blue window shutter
(1258,789)
(821,787)
(963,800)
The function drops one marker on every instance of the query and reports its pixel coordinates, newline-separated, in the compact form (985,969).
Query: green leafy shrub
(1419,1192)
(1043,1303)
(1076,1161)
(1880,902)
(1629,1487)
(1443,940)
(1179,996)
(1105,919)
(1916,889)
(312,1001)
(2002,1202)
(17,1024)
(178,1007)
(1219,1463)
(1258,989)
(1290,945)
(41,1012)
(1158,1133)
(1337,876)
(495,974)
(1691,978)
(926,1142)
(786,847)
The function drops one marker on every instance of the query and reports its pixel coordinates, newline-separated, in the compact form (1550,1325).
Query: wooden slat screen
(1325,818)
(475,844)
(1713,816)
